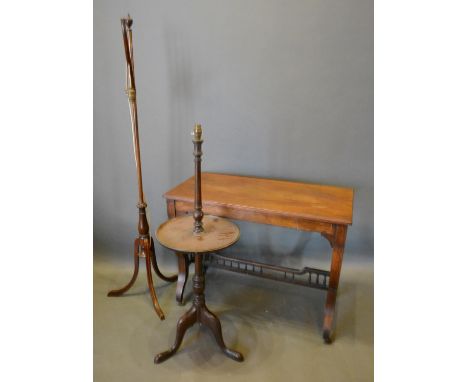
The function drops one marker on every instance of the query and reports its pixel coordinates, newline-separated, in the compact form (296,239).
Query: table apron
(181,207)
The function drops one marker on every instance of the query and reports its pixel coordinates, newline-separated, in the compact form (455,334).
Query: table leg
(338,243)
(212,322)
(182,258)
(183,263)
(198,313)
(155,264)
(185,322)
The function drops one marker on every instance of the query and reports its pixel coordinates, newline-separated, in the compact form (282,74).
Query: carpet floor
(276,326)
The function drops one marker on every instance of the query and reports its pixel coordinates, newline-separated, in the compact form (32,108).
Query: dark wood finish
(327,210)
(197,153)
(119,292)
(338,244)
(198,239)
(156,267)
(309,277)
(198,312)
(183,262)
(263,217)
(182,259)
(143,245)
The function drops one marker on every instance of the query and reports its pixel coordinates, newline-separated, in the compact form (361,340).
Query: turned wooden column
(197,153)
(197,235)
(143,244)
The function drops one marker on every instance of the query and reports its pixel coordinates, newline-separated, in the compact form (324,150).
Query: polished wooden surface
(200,313)
(143,245)
(337,242)
(197,154)
(197,235)
(276,199)
(177,234)
(302,206)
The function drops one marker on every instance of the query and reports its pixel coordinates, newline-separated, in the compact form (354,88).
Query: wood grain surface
(272,197)
(177,234)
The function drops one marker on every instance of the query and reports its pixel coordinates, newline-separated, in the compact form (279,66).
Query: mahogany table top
(291,199)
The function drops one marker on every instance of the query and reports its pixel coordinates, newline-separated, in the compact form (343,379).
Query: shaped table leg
(212,322)
(185,322)
(338,243)
(198,313)
(183,263)
(155,265)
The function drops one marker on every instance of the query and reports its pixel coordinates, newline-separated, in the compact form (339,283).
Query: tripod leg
(185,322)
(212,322)
(183,263)
(155,265)
(149,277)
(119,292)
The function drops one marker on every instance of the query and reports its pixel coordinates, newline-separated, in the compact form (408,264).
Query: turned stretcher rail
(315,278)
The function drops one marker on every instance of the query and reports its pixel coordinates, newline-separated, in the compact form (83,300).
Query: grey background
(283,89)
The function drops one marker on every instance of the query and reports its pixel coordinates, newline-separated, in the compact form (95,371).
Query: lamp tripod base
(144,247)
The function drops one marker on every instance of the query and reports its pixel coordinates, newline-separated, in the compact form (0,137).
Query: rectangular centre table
(302,206)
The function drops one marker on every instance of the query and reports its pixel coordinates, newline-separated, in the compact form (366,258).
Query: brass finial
(127,22)
(197,133)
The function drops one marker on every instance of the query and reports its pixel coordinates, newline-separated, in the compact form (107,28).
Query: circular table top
(177,234)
